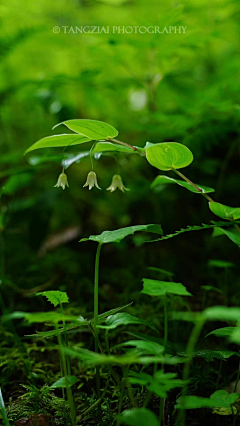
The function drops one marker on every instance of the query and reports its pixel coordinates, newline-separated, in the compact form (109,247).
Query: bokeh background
(151,87)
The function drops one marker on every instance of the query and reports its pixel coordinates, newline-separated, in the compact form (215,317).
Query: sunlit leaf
(56,297)
(160,288)
(63,383)
(58,141)
(91,128)
(222,313)
(169,155)
(119,234)
(165,180)
(120,319)
(225,212)
(112,147)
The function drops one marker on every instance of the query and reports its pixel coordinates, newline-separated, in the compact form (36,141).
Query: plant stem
(189,352)
(124,144)
(96,280)
(66,341)
(165,324)
(238,375)
(219,374)
(192,184)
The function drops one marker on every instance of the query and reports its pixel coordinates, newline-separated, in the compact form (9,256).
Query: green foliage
(3,411)
(210,355)
(120,319)
(160,383)
(118,235)
(225,212)
(58,141)
(220,398)
(92,129)
(222,332)
(65,382)
(168,155)
(222,313)
(56,297)
(138,417)
(165,180)
(232,233)
(160,288)
(145,347)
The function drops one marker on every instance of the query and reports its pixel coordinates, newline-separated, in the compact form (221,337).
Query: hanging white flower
(117,183)
(91,181)
(62,181)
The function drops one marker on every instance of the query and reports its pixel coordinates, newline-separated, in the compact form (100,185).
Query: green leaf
(225,212)
(235,336)
(138,417)
(79,322)
(169,155)
(211,288)
(222,313)
(219,398)
(119,234)
(222,332)
(209,355)
(148,348)
(63,383)
(112,147)
(160,288)
(3,410)
(58,141)
(56,297)
(164,180)
(220,264)
(101,317)
(91,128)
(114,321)
(232,233)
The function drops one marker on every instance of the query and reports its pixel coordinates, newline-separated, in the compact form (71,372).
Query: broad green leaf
(112,147)
(169,155)
(58,141)
(101,317)
(164,180)
(225,212)
(118,235)
(220,264)
(219,398)
(79,322)
(222,313)
(114,321)
(56,297)
(45,317)
(209,355)
(235,336)
(148,348)
(138,417)
(222,332)
(63,383)
(91,128)
(232,233)
(160,288)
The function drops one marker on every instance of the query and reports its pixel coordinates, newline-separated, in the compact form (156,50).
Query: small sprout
(91,181)
(117,183)
(62,181)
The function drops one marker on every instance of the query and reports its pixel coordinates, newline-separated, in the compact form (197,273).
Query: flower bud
(62,181)
(91,181)
(117,183)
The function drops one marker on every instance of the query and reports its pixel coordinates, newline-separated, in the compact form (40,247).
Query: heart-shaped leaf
(91,128)
(160,288)
(119,234)
(169,155)
(165,180)
(225,212)
(58,141)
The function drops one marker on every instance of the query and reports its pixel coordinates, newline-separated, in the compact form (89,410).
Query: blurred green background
(151,87)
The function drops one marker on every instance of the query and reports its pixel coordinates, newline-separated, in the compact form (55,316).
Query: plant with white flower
(62,181)
(117,183)
(91,181)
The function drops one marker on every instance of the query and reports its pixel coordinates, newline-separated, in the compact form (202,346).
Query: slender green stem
(96,281)
(80,418)
(189,353)
(3,411)
(165,324)
(66,341)
(219,374)
(238,375)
